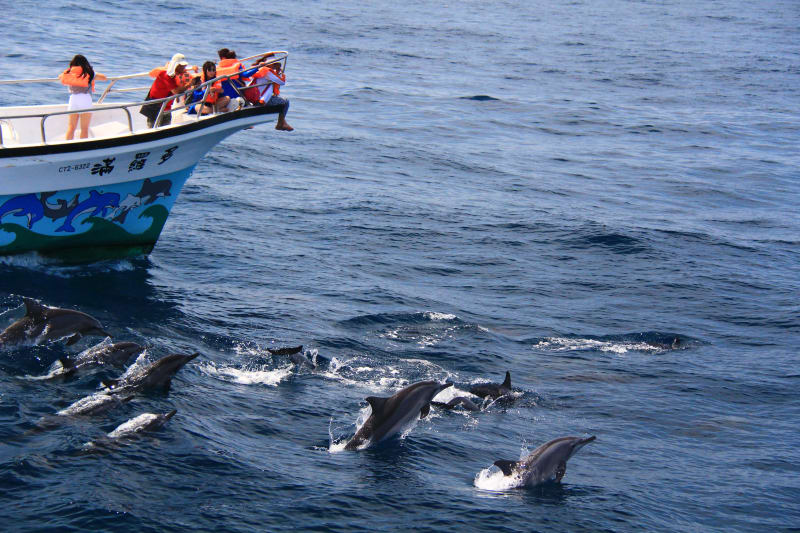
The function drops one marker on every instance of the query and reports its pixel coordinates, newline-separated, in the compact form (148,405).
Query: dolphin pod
(390,416)
(42,323)
(546,463)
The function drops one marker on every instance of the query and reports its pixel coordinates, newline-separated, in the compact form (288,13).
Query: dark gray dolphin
(154,376)
(492,390)
(468,404)
(392,415)
(548,462)
(116,354)
(42,323)
(286,351)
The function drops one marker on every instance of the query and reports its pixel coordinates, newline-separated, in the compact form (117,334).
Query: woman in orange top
(80,78)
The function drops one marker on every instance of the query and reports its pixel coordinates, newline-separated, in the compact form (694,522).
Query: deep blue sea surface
(559,189)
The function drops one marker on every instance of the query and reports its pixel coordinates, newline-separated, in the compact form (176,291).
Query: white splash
(432,315)
(493,479)
(561,344)
(248,377)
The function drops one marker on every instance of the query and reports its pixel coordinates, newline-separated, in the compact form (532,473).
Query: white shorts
(79,101)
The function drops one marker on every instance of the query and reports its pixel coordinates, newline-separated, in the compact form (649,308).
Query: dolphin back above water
(154,376)
(548,462)
(42,323)
(493,390)
(116,354)
(390,416)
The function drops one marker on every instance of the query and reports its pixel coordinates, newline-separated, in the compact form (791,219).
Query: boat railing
(6,120)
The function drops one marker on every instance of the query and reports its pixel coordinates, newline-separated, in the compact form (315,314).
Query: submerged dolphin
(547,462)
(132,428)
(392,415)
(42,323)
(116,354)
(468,404)
(143,422)
(492,390)
(155,376)
(94,404)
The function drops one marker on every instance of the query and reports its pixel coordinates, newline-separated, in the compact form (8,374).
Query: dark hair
(209,65)
(81,61)
(231,54)
(223,53)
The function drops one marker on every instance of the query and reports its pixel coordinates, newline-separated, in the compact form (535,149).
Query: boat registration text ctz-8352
(108,195)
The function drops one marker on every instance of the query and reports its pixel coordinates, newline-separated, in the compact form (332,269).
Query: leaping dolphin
(42,323)
(493,390)
(548,462)
(390,416)
(155,376)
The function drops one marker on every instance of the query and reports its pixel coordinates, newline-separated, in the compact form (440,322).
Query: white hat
(177,59)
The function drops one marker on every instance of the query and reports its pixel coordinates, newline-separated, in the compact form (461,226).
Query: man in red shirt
(168,82)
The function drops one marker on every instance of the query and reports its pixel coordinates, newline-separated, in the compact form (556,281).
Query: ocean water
(558,189)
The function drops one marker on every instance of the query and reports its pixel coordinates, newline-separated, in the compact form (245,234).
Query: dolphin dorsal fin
(32,307)
(506,466)
(377,403)
(507,382)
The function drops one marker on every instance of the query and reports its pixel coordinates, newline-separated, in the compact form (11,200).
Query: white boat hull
(104,195)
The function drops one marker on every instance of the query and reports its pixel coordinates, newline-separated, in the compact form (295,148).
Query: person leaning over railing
(269,79)
(80,78)
(167,83)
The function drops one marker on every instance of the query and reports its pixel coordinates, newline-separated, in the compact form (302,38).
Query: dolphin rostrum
(547,462)
(154,376)
(468,404)
(42,323)
(116,354)
(492,390)
(393,415)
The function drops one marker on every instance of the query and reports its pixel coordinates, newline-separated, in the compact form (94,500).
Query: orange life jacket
(262,73)
(211,98)
(75,76)
(229,66)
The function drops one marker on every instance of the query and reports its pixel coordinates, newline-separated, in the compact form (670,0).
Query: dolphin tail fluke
(507,382)
(73,339)
(506,466)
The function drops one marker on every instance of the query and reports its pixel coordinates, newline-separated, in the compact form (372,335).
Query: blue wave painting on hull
(69,212)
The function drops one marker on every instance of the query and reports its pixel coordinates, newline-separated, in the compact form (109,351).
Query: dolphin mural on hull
(26,205)
(97,203)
